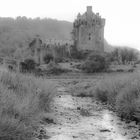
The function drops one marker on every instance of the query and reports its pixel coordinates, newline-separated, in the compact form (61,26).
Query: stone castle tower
(88,31)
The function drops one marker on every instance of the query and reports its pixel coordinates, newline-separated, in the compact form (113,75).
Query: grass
(82,88)
(23,102)
(122,93)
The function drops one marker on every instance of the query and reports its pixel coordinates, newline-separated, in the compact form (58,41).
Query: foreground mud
(86,119)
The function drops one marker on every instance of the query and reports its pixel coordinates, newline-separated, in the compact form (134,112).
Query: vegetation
(16,34)
(28,65)
(80,55)
(54,68)
(124,55)
(122,94)
(23,103)
(48,58)
(96,62)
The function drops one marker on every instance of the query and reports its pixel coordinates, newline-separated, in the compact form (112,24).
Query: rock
(134,137)
(48,121)
(75,137)
(78,108)
(105,130)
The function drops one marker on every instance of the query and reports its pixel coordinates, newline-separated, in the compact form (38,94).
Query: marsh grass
(23,101)
(122,93)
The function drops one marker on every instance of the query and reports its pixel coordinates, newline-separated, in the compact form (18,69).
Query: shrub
(22,105)
(96,62)
(107,90)
(122,93)
(48,58)
(54,68)
(28,65)
(80,55)
(127,100)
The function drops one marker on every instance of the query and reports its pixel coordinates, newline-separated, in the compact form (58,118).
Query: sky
(122,16)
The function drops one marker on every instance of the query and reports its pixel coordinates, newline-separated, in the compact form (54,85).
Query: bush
(28,65)
(107,90)
(22,105)
(80,55)
(122,93)
(127,101)
(54,68)
(96,62)
(48,58)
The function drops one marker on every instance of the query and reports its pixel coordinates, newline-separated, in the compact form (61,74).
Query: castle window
(89,38)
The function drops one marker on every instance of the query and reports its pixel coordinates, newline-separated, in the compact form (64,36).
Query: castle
(57,48)
(88,31)
(88,34)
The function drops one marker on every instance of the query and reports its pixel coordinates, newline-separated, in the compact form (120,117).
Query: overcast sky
(122,16)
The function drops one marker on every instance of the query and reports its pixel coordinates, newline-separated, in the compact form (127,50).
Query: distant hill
(50,28)
(17,33)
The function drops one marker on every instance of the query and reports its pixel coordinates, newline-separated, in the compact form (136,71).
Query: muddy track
(86,119)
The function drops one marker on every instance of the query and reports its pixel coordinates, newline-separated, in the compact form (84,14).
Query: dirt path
(86,119)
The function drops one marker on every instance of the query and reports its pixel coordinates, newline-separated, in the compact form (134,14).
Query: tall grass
(122,93)
(23,101)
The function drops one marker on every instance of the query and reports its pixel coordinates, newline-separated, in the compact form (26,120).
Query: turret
(89,9)
(78,16)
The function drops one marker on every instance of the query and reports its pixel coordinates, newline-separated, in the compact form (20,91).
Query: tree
(124,55)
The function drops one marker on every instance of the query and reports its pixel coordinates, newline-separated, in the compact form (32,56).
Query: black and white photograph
(70,70)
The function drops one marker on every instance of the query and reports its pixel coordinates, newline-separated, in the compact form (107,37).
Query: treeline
(17,33)
(124,55)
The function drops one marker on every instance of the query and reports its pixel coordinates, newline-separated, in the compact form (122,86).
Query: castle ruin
(88,35)
(88,31)
(57,48)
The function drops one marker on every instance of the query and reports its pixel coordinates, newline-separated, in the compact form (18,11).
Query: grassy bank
(122,94)
(23,102)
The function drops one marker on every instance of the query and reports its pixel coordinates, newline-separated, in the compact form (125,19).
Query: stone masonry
(88,31)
